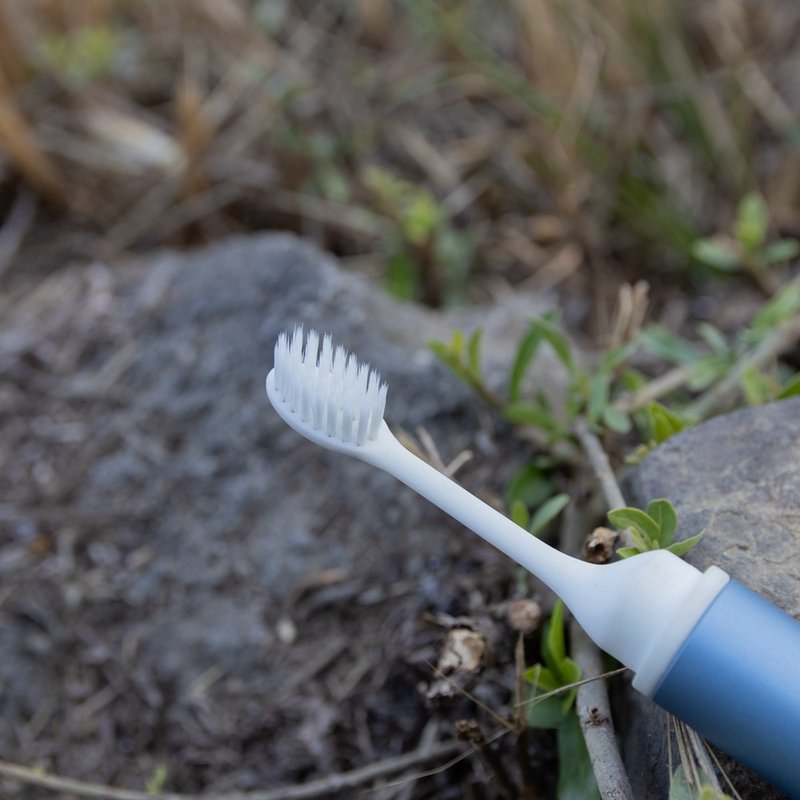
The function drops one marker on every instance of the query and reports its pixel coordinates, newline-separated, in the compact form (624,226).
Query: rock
(736,477)
(190,528)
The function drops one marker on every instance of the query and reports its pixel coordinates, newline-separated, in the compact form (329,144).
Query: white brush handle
(559,571)
(640,609)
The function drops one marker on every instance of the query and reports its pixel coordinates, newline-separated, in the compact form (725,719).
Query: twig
(722,393)
(469,730)
(600,465)
(591,703)
(426,741)
(656,388)
(318,788)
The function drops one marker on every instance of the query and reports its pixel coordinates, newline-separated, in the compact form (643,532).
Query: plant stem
(600,464)
(721,394)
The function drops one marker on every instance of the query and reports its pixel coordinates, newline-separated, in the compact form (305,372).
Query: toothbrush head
(324,392)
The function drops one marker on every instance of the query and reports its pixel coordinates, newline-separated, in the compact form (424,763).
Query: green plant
(606,395)
(746,247)
(427,257)
(555,678)
(81,55)
(589,393)
(543,515)
(607,400)
(653,529)
(696,787)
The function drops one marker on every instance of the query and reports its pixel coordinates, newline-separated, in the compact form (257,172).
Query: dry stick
(722,393)
(426,741)
(600,464)
(310,789)
(664,384)
(591,703)
(582,646)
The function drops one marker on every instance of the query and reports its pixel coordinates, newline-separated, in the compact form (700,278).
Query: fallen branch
(317,788)
(591,703)
(600,464)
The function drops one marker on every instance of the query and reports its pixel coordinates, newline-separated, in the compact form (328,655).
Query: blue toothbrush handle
(736,681)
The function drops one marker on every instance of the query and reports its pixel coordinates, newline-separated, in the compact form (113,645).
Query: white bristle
(328,388)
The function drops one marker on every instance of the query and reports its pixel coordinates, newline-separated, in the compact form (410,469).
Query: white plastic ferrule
(672,629)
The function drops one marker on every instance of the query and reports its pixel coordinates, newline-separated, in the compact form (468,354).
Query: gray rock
(213,566)
(736,477)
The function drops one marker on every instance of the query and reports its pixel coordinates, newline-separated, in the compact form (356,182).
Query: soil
(192,598)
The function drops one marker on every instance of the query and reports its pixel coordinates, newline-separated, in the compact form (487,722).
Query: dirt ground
(194,599)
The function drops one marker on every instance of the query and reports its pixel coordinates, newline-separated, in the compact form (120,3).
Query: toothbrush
(701,645)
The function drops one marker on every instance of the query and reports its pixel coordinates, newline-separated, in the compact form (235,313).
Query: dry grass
(538,140)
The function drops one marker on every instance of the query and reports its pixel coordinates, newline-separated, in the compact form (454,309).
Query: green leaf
(627,552)
(527,414)
(440,349)
(519,514)
(664,423)
(452,360)
(546,713)
(715,254)
(679,788)
(419,216)
(635,518)
(791,389)
(616,420)
(557,341)
(639,453)
(457,343)
(540,330)
(679,548)
(576,779)
(617,356)
(554,649)
(661,343)
(402,276)
(642,540)
(569,673)
(599,388)
(529,486)
(714,338)
(752,219)
(663,512)
(756,386)
(547,512)
(682,788)
(782,250)
(632,380)
(526,350)
(542,678)
(782,307)
(474,350)
(156,781)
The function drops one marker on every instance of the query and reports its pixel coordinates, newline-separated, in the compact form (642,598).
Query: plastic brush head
(324,392)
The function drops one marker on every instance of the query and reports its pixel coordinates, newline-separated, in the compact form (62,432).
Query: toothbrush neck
(554,568)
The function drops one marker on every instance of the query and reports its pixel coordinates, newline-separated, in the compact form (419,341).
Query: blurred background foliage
(435,145)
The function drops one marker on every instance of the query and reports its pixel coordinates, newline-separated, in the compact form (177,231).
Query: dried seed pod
(524,615)
(599,547)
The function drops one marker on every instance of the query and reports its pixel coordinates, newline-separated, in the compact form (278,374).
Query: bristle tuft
(328,388)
